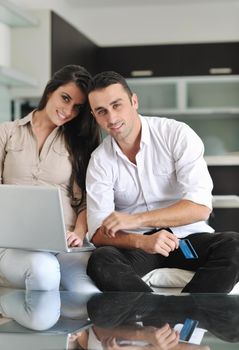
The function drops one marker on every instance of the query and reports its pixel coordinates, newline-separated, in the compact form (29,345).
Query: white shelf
(14,16)
(222,160)
(12,78)
(230,201)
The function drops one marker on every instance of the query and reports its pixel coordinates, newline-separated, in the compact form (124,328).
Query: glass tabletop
(114,321)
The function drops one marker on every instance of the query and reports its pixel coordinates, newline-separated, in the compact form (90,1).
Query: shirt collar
(26,120)
(145,135)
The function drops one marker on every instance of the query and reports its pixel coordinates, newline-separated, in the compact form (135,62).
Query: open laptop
(32,218)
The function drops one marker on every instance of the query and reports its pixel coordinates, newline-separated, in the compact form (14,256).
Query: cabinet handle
(222,70)
(141,73)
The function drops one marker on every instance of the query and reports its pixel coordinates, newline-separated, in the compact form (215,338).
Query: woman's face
(64,104)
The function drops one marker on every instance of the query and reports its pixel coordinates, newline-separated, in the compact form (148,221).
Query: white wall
(31,53)
(5,45)
(194,21)
(5,60)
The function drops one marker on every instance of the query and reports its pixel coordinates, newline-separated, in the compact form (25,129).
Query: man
(148,187)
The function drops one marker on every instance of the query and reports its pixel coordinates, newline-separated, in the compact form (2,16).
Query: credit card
(187,249)
(188,329)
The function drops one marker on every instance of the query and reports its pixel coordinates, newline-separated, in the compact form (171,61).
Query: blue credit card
(188,329)
(187,249)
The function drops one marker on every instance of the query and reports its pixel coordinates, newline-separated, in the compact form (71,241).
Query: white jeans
(45,271)
(32,309)
(39,310)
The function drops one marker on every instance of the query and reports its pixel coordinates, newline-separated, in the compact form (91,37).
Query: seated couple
(147,188)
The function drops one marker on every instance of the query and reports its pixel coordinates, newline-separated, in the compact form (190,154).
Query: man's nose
(112,117)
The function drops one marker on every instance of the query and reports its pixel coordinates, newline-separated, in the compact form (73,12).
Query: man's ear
(134,100)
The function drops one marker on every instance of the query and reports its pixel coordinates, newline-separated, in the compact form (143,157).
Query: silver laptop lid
(32,218)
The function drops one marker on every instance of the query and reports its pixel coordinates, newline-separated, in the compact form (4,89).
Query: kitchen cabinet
(171,60)
(225,179)
(69,46)
(226,197)
(188,95)
(149,60)
(209,104)
(224,219)
(210,58)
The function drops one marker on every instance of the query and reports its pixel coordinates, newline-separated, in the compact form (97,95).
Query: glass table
(114,321)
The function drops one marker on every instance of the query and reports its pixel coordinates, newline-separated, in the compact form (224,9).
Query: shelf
(225,160)
(218,113)
(188,96)
(12,78)
(227,201)
(14,16)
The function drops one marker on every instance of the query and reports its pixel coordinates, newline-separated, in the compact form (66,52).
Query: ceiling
(147,22)
(97,3)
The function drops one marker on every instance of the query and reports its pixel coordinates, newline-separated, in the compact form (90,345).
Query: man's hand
(73,240)
(120,221)
(161,242)
(151,338)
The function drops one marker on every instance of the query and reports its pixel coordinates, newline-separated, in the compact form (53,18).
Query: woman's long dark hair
(81,133)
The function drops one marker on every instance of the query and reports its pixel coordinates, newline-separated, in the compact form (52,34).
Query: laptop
(32,218)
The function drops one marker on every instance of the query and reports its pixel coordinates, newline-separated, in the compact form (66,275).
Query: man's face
(115,111)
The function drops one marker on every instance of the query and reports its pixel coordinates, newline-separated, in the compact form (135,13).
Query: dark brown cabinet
(171,60)
(225,217)
(161,60)
(69,46)
(204,59)
(225,179)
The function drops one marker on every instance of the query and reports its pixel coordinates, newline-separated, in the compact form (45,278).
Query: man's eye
(116,106)
(101,112)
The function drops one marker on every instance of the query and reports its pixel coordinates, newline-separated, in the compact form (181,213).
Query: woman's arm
(75,238)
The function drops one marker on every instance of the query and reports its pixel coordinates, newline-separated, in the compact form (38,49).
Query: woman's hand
(73,240)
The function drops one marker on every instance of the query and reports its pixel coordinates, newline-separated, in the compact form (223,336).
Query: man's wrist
(139,241)
(143,220)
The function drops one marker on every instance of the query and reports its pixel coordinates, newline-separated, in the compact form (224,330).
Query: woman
(52,146)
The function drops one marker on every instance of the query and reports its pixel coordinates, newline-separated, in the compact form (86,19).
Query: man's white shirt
(169,167)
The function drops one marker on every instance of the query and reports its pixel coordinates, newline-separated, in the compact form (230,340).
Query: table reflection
(113,321)
(136,320)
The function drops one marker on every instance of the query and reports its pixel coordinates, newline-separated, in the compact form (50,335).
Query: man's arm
(181,213)
(161,242)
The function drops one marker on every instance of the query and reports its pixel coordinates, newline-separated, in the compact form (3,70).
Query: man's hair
(107,78)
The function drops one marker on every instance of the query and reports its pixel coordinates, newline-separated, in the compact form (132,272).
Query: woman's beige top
(21,164)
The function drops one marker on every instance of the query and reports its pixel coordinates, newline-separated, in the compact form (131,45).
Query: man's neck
(130,149)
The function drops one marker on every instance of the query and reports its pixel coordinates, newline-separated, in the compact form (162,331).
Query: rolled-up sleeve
(100,192)
(191,169)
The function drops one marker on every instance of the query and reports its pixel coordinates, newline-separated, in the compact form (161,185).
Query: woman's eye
(65,98)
